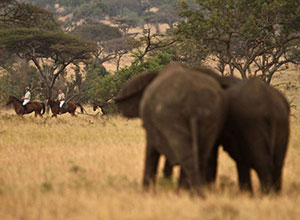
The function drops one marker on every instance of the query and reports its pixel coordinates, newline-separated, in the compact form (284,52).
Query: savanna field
(91,168)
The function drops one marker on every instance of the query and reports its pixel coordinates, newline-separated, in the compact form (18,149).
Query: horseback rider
(61,99)
(26,98)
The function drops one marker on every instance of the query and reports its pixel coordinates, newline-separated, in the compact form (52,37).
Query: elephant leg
(203,152)
(277,179)
(183,181)
(168,169)
(280,151)
(263,164)
(244,177)
(211,170)
(277,171)
(265,178)
(208,151)
(189,177)
(151,163)
(181,144)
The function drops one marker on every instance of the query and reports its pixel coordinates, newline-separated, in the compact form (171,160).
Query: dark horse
(37,107)
(71,107)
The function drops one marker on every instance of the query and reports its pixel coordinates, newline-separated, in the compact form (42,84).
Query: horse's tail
(81,108)
(44,107)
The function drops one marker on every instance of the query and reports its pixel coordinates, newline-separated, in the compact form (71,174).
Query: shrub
(106,87)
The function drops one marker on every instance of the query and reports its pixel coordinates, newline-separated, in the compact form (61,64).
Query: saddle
(65,105)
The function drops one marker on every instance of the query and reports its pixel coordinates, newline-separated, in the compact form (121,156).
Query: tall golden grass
(91,168)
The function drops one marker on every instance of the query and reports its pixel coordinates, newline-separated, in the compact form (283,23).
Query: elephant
(183,113)
(255,133)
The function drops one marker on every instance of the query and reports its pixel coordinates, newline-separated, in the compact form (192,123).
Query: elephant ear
(130,95)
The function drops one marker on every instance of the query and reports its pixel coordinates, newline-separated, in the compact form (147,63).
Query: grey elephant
(255,134)
(183,113)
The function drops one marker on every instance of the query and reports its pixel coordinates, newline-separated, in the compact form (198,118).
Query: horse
(71,107)
(37,107)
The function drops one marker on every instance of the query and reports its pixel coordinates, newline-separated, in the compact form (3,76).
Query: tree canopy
(246,35)
(15,14)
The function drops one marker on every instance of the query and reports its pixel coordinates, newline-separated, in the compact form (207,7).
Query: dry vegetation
(91,168)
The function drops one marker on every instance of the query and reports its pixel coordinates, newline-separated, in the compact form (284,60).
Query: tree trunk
(49,91)
(157,28)
(221,67)
(118,62)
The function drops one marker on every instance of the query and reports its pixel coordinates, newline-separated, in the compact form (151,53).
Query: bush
(107,87)
(6,88)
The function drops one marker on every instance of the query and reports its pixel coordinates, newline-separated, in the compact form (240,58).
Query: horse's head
(51,102)
(12,99)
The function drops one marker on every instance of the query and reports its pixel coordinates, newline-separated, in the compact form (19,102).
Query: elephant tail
(195,145)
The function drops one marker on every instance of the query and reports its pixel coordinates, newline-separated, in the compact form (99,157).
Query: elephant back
(225,81)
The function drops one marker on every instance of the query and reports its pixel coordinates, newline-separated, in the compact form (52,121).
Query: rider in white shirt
(26,98)
(61,98)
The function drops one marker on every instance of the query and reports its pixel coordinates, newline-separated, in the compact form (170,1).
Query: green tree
(246,35)
(6,88)
(111,44)
(105,88)
(15,14)
(97,32)
(91,10)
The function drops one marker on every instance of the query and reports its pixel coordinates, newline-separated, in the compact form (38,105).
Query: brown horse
(37,107)
(71,107)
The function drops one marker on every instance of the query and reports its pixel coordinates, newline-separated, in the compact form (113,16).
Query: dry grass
(91,168)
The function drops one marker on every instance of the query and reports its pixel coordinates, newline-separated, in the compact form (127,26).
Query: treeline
(130,13)
(37,50)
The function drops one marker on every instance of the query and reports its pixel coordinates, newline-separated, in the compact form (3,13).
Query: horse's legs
(72,113)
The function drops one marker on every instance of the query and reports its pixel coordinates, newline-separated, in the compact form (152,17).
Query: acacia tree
(99,33)
(50,51)
(246,35)
(111,43)
(15,14)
